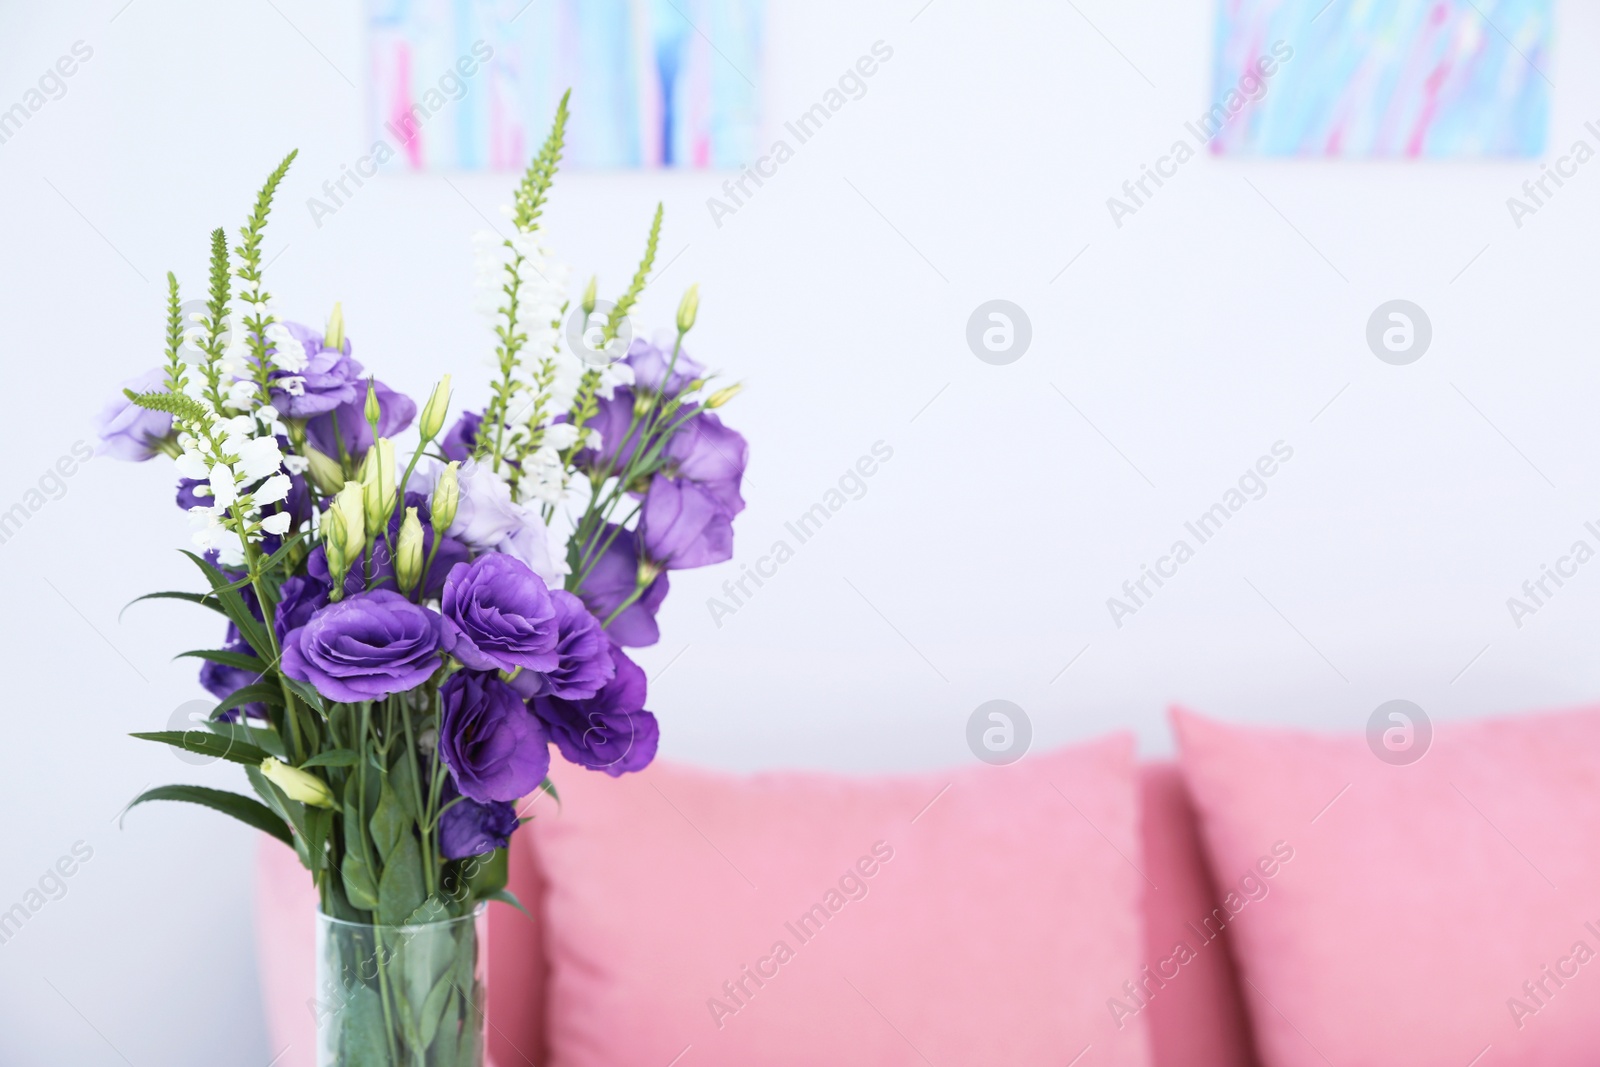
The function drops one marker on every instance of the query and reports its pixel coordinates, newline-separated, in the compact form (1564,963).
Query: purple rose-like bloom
(705,452)
(495,747)
(498,616)
(612,580)
(395,412)
(683,525)
(459,443)
(468,828)
(585,652)
(650,362)
(609,731)
(332,378)
(299,598)
(364,647)
(128,431)
(585,655)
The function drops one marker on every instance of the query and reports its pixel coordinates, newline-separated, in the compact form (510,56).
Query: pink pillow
(979,915)
(1191,999)
(1407,915)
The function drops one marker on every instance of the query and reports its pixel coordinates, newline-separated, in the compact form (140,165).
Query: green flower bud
(688,308)
(296,784)
(334,338)
(589,298)
(372,412)
(408,552)
(446,497)
(326,474)
(433,411)
(722,396)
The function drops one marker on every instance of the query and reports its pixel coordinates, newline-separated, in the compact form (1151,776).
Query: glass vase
(400,996)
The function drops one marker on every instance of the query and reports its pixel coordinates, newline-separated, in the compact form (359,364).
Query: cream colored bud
(446,497)
(433,412)
(722,396)
(688,308)
(408,552)
(296,784)
(334,338)
(589,298)
(350,526)
(326,474)
(377,484)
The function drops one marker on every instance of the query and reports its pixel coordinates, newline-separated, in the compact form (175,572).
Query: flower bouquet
(410,628)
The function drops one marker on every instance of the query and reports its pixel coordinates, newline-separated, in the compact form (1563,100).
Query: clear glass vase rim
(473,916)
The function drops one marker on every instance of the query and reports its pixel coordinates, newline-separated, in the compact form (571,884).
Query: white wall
(979,561)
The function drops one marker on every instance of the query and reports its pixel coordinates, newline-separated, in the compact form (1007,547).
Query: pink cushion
(1192,1004)
(1407,905)
(970,916)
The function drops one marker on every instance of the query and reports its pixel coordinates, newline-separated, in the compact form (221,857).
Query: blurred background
(1172,342)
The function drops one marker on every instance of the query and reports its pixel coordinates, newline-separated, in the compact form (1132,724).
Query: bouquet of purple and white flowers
(410,629)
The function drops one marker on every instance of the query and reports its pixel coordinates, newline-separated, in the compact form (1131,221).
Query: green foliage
(242,808)
(183,408)
(537,179)
(208,744)
(177,375)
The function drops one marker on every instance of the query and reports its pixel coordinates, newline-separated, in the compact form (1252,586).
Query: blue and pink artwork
(1384,79)
(472,84)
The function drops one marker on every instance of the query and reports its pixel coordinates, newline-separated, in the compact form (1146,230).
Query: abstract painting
(472,84)
(1381,79)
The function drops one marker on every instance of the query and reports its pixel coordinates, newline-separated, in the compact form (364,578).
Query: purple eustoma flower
(585,655)
(468,828)
(650,363)
(683,525)
(459,443)
(612,580)
(396,410)
(609,731)
(299,598)
(128,431)
(364,647)
(706,452)
(498,616)
(332,379)
(495,747)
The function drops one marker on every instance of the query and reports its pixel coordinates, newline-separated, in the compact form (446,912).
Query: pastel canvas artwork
(1383,79)
(470,84)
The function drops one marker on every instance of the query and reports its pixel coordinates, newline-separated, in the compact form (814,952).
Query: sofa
(1275,897)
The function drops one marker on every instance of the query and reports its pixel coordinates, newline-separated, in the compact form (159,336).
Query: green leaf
(206,600)
(361,1029)
(487,874)
(306,693)
(400,889)
(433,1009)
(207,744)
(333,757)
(259,693)
(390,823)
(185,408)
(360,884)
(233,605)
(240,807)
(506,896)
(266,740)
(230,659)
